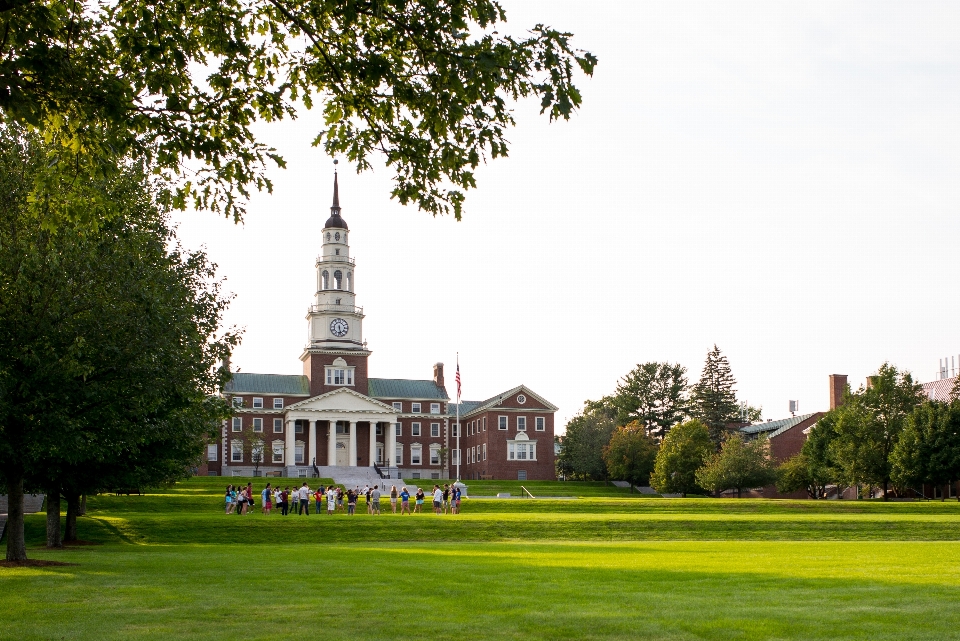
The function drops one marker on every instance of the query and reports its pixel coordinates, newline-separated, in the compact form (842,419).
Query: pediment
(343,399)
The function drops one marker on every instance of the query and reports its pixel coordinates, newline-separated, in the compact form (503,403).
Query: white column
(312,443)
(332,444)
(373,442)
(391,444)
(352,456)
(290,457)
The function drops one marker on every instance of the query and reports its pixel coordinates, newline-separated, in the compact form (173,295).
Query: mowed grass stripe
(660,590)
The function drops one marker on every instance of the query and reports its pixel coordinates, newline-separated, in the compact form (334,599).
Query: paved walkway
(31,503)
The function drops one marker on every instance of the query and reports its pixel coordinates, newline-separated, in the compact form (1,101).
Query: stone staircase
(31,503)
(351,477)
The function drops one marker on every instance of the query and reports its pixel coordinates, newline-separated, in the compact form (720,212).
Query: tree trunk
(16,544)
(83,505)
(885,483)
(73,506)
(53,517)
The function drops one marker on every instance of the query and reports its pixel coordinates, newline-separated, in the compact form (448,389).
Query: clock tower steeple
(334,322)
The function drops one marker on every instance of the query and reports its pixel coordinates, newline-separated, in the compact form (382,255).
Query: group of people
(239,499)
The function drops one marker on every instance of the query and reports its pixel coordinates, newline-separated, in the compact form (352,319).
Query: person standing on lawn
(446,498)
(456,499)
(404,501)
(393,498)
(375,495)
(284,501)
(331,500)
(228,499)
(437,499)
(304,499)
(351,502)
(318,497)
(265,500)
(419,498)
(368,492)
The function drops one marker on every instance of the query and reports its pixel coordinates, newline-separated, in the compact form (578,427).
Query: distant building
(335,415)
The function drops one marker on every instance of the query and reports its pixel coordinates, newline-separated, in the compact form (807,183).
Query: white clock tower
(334,322)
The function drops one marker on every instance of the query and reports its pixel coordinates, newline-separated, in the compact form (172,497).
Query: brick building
(335,415)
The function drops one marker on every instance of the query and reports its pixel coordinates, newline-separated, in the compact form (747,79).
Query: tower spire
(336,194)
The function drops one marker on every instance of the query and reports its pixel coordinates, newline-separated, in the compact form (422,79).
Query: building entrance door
(342,453)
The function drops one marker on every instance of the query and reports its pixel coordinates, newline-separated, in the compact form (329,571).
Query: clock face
(339,327)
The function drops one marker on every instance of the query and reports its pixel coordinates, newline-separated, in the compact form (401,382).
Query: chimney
(438,374)
(838,385)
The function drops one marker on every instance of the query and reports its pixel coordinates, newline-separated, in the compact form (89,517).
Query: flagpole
(458,417)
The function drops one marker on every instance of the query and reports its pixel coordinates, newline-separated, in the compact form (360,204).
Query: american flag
(458,380)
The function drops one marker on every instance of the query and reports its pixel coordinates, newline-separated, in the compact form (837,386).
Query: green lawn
(173,566)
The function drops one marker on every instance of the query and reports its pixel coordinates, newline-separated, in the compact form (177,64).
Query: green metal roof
(404,388)
(775,428)
(465,407)
(243,383)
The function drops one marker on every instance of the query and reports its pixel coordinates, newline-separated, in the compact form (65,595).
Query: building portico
(342,419)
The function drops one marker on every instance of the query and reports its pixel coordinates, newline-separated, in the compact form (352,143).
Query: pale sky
(780,179)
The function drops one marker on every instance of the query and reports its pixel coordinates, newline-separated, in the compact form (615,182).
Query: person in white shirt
(304,499)
(437,499)
(331,500)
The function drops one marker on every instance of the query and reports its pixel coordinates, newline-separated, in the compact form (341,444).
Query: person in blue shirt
(404,501)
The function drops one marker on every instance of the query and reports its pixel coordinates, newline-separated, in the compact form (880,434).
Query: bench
(276,474)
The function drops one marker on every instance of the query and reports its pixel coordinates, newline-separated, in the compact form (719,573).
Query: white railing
(347,309)
(336,259)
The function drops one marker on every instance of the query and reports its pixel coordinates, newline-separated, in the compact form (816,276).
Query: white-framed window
(298,428)
(398,429)
(455,430)
(435,430)
(521,399)
(416,454)
(484,451)
(414,408)
(502,422)
(298,453)
(484,423)
(237,424)
(257,452)
(471,453)
(540,423)
(258,425)
(212,452)
(237,401)
(521,451)
(397,405)
(277,451)
(339,375)
(434,455)
(454,457)
(521,423)
(414,429)
(470,428)
(434,408)
(278,426)
(236,452)
(379,453)
(379,430)
(278,403)
(257,403)
(398,455)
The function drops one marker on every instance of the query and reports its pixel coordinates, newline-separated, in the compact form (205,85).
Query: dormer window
(339,373)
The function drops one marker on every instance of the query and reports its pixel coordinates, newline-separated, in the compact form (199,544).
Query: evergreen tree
(714,401)
(654,394)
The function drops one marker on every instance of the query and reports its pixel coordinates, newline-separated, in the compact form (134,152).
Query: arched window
(338,279)
(326,280)
(328,236)
(349,281)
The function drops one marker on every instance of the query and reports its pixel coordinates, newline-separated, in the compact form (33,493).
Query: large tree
(683,451)
(739,465)
(581,446)
(427,85)
(713,399)
(869,423)
(109,341)
(654,394)
(631,454)
(928,451)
